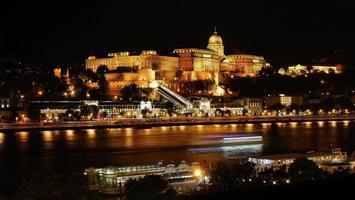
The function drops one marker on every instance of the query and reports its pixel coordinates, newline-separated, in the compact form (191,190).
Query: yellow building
(327,69)
(215,44)
(240,65)
(303,69)
(283,100)
(186,64)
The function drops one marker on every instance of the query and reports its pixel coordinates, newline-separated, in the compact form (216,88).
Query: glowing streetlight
(40,93)
(197,173)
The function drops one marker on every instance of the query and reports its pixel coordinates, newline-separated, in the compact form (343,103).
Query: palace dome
(215,39)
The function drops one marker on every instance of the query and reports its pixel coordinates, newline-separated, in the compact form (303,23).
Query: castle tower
(215,43)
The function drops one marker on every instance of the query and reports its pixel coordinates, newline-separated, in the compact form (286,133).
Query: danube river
(24,153)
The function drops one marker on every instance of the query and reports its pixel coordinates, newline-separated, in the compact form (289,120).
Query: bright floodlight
(197,173)
(154,84)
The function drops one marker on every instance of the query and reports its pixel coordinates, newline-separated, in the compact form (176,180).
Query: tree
(170,108)
(103,86)
(146,112)
(149,188)
(131,93)
(102,69)
(267,72)
(228,178)
(220,177)
(303,169)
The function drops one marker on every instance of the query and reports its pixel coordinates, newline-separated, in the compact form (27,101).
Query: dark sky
(284,31)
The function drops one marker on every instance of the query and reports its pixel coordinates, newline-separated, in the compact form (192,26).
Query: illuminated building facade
(240,65)
(298,70)
(253,106)
(215,44)
(283,100)
(186,64)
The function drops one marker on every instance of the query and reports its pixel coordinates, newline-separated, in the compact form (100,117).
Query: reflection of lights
(265,124)
(2,136)
(293,124)
(91,133)
(199,127)
(238,149)
(346,123)
(308,124)
(333,123)
(243,139)
(233,125)
(23,135)
(47,135)
(147,131)
(280,124)
(320,123)
(182,127)
(129,131)
(69,134)
(129,142)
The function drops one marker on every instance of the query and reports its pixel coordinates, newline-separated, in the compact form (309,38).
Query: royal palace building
(187,64)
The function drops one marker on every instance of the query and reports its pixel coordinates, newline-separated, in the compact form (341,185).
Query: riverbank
(155,122)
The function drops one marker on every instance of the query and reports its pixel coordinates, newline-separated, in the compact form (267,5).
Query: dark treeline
(269,82)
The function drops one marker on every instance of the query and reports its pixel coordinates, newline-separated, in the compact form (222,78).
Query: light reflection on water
(308,124)
(69,135)
(230,151)
(91,133)
(320,124)
(23,136)
(114,146)
(333,123)
(47,135)
(2,136)
(346,123)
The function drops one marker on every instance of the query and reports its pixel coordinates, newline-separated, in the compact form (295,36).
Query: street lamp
(197,173)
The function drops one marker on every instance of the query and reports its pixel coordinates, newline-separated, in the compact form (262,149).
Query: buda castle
(185,65)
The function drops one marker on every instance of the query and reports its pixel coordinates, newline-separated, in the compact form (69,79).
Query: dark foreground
(332,188)
(73,187)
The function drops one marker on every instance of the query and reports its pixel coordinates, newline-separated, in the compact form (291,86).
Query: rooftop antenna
(215,29)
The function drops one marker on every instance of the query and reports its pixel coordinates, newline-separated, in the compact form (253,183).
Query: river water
(24,153)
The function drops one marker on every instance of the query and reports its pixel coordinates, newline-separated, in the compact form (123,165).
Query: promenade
(152,122)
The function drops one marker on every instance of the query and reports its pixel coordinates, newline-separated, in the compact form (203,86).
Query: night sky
(285,32)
